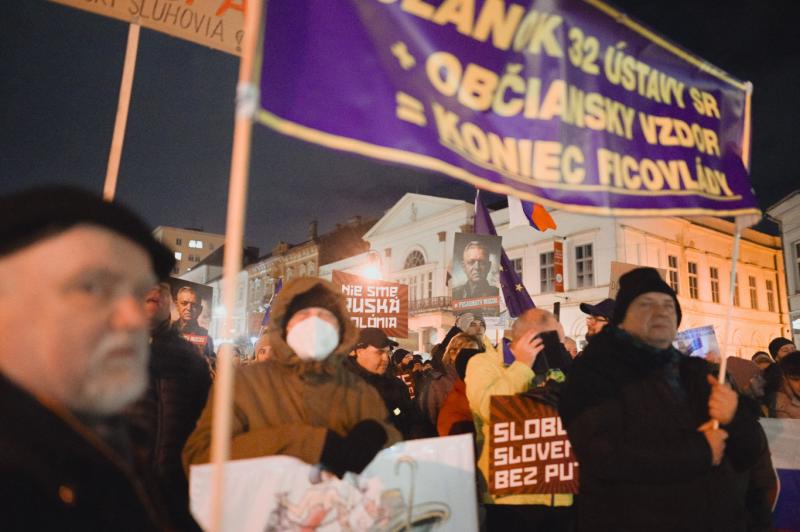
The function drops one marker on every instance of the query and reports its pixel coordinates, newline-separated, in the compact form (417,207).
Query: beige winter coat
(286,405)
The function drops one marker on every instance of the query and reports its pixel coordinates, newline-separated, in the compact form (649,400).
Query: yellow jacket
(487,375)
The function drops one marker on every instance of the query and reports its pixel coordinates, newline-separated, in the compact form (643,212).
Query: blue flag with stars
(516,296)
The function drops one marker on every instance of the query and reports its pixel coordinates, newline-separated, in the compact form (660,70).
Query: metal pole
(246,107)
(115,154)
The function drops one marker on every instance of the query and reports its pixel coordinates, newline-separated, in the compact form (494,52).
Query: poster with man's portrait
(190,311)
(476,274)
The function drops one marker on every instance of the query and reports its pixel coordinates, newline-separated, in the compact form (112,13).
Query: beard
(114,380)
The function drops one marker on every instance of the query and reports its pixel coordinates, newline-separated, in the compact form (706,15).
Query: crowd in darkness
(105,401)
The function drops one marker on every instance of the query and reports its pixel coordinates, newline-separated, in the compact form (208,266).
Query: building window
(736,301)
(198,244)
(797,259)
(751,281)
(178,241)
(714,273)
(430,285)
(584,267)
(693,291)
(673,272)
(770,296)
(547,272)
(516,264)
(412,288)
(310,268)
(178,255)
(414,259)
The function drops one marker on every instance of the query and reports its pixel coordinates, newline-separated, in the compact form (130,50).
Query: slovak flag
(525,212)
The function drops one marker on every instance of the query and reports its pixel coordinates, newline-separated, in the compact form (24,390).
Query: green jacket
(285,406)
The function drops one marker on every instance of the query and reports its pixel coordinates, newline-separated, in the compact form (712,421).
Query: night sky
(60,71)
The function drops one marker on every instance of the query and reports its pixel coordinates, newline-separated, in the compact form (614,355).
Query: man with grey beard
(74,271)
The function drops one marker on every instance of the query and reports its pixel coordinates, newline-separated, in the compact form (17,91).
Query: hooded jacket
(632,412)
(286,405)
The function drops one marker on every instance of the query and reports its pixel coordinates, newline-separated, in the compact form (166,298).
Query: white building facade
(787,213)
(414,241)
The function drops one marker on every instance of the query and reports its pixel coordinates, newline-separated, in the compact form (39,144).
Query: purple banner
(568,103)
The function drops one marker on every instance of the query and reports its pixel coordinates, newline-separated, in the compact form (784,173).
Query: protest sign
(414,485)
(618,269)
(374,303)
(214,23)
(698,342)
(529,451)
(475,282)
(566,103)
(196,332)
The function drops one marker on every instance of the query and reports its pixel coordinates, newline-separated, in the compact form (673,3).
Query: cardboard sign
(414,485)
(618,269)
(476,268)
(529,452)
(374,303)
(213,23)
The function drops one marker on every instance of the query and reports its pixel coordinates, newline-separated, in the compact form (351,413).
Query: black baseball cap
(374,337)
(605,309)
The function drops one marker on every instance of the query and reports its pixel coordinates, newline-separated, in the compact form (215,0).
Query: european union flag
(265,321)
(516,296)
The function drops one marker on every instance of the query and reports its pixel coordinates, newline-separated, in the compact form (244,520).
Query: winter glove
(355,451)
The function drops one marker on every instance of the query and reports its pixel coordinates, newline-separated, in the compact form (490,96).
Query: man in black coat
(73,354)
(165,416)
(640,417)
(370,361)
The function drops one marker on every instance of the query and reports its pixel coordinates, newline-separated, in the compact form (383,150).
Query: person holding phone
(535,343)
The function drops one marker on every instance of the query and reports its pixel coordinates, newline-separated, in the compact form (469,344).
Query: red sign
(374,303)
(558,265)
(528,449)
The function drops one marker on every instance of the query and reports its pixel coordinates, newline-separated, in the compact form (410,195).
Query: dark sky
(60,70)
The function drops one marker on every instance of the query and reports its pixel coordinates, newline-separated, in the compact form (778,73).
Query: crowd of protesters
(99,436)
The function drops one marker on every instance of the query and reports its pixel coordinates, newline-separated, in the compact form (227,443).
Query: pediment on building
(410,209)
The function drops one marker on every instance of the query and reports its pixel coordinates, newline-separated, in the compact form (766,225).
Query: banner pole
(123,104)
(247,100)
(723,365)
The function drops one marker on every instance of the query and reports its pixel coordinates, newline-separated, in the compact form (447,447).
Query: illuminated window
(547,272)
(198,244)
(770,296)
(693,290)
(714,273)
(673,272)
(516,264)
(751,281)
(178,255)
(414,259)
(584,266)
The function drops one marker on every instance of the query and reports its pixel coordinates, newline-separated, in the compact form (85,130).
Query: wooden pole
(114,156)
(246,107)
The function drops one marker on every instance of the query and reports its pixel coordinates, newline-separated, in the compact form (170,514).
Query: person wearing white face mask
(283,405)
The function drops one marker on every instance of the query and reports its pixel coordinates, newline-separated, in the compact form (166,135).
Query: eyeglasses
(597,319)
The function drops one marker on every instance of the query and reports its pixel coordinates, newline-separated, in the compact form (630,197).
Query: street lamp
(372,270)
